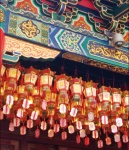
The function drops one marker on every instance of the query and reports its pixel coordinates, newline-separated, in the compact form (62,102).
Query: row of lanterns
(29,95)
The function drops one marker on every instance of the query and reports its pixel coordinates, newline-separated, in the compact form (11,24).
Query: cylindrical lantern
(82,133)
(64,135)
(91,126)
(26,103)
(73,112)
(29,123)
(78,140)
(43,125)
(16,122)
(6,109)
(79,125)
(23,130)
(37,133)
(87,141)
(71,129)
(63,123)
(117,137)
(11,126)
(104,119)
(119,144)
(1,115)
(108,141)
(56,127)
(9,100)
(50,133)
(126,99)
(34,115)
(100,143)
(113,128)
(125,138)
(46,79)
(44,104)
(116,97)
(119,122)
(20,113)
(62,108)
(95,134)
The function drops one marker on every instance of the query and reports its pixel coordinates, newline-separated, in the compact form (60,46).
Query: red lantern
(125,138)
(82,133)
(26,103)
(20,113)
(6,109)
(79,125)
(78,140)
(64,135)
(44,104)
(87,141)
(9,100)
(23,130)
(113,128)
(104,119)
(73,112)
(2,45)
(116,97)
(95,134)
(108,140)
(43,125)
(117,137)
(91,126)
(56,127)
(29,123)
(16,122)
(11,126)
(119,144)
(100,143)
(34,115)
(63,123)
(37,133)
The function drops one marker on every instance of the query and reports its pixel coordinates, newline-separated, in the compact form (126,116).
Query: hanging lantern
(117,137)
(62,108)
(22,93)
(11,126)
(71,129)
(113,128)
(78,140)
(46,79)
(104,119)
(6,109)
(87,141)
(116,97)
(29,123)
(90,116)
(108,141)
(119,122)
(43,125)
(64,135)
(91,126)
(30,79)
(16,122)
(73,112)
(126,99)
(56,127)
(51,120)
(1,115)
(9,100)
(82,133)
(26,103)
(34,115)
(95,134)
(44,104)
(2,71)
(50,133)
(63,122)
(104,97)
(79,125)
(37,133)
(125,138)
(20,113)
(23,130)
(119,144)
(12,75)
(100,143)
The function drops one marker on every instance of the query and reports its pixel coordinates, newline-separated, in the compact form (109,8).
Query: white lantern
(100,143)
(73,112)
(64,135)
(1,115)
(116,98)
(44,104)
(56,127)
(117,137)
(104,119)
(82,133)
(113,128)
(90,116)
(34,115)
(22,130)
(50,133)
(95,134)
(43,125)
(16,122)
(126,99)
(79,125)
(125,138)
(63,123)
(62,108)
(11,126)
(26,103)
(91,126)
(71,129)
(20,113)
(119,122)
(29,123)
(9,100)
(6,109)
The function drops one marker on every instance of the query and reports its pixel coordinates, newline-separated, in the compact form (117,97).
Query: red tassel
(2,45)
